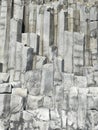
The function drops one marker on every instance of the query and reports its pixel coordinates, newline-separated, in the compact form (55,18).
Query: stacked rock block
(48,65)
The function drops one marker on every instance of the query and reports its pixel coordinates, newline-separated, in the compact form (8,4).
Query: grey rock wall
(48,65)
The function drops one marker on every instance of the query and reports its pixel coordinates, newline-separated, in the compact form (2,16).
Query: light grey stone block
(31,40)
(15,35)
(73,102)
(82,108)
(64,119)
(5,88)
(27,59)
(16,104)
(19,92)
(48,102)
(40,61)
(41,114)
(18,61)
(33,82)
(47,79)
(54,114)
(78,59)
(5,105)
(72,120)
(34,102)
(47,32)
(34,42)
(68,80)
(4,77)
(68,51)
(60,41)
(80,81)
(15,84)
(18,10)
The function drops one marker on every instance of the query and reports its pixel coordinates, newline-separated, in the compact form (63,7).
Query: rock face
(48,64)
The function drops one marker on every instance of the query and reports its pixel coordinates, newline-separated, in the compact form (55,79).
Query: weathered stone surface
(16,104)
(48,102)
(47,79)
(15,35)
(4,77)
(47,31)
(33,82)
(34,102)
(5,105)
(68,80)
(54,114)
(72,120)
(55,124)
(82,108)
(40,61)
(16,117)
(78,52)
(61,33)
(64,119)
(20,92)
(16,84)
(5,88)
(59,97)
(48,65)
(73,102)
(34,42)
(96,77)
(31,40)
(80,81)
(92,119)
(4,32)
(41,114)
(18,9)
(18,62)
(27,116)
(27,60)
(92,98)
(68,47)
(25,39)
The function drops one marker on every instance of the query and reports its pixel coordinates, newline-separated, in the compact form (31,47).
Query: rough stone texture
(5,88)
(4,77)
(47,79)
(48,65)
(33,82)
(34,102)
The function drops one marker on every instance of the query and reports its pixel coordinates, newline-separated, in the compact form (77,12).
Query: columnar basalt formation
(48,65)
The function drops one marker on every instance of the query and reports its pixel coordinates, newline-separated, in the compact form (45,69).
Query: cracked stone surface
(48,64)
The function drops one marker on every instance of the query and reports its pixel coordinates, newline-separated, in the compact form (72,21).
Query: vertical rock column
(15,35)
(61,33)
(7,36)
(18,59)
(18,9)
(32,18)
(27,61)
(31,40)
(3,27)
(25,39)
(70,19)
(78,59)
(76,17)
(47,32)
(40,27)
(47,80)
(82,107)
(55,25)
(93,35)
(68,52)
(26,18)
